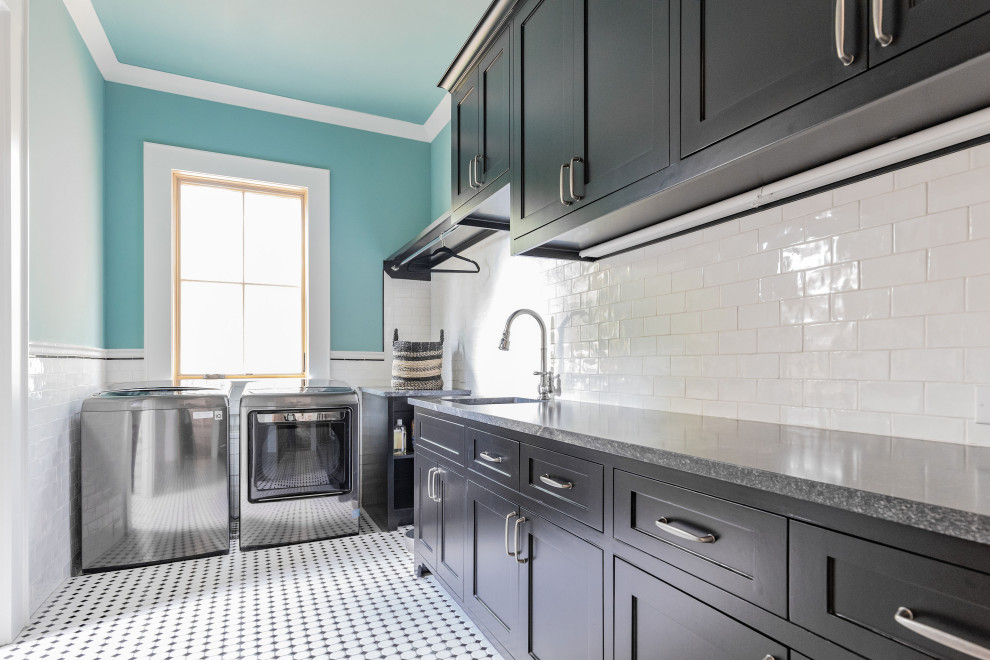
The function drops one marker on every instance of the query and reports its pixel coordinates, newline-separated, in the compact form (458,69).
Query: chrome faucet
(546,388)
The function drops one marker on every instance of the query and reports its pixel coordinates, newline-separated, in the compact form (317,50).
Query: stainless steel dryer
(300,463)
(154,474)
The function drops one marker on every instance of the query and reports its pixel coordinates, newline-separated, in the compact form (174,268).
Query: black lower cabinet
(561,593)
(440,518)
(535,588)
(656,621)
(491,590)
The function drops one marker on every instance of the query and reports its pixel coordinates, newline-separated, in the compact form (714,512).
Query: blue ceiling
(382,57)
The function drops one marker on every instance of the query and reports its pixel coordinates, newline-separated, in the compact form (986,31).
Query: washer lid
(166,388)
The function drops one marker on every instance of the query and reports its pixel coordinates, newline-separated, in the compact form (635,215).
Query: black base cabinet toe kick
(560,552)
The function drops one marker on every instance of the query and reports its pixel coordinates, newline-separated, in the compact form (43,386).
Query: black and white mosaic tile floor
(353,597)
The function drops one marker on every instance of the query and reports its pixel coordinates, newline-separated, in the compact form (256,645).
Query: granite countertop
(936,486)
(400,393)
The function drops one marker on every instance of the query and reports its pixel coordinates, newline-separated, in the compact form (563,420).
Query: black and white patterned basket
(416,365)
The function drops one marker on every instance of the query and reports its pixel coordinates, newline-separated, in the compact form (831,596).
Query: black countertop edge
(870,474)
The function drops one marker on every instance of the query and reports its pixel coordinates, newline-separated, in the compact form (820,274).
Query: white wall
(866,308)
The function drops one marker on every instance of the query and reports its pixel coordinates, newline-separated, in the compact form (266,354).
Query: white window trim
(159,256)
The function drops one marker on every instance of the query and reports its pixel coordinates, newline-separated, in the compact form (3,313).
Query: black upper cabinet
(905,24)
(742,62)
(480,125)
(592,111)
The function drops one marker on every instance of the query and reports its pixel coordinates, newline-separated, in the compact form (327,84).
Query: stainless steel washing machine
(153,463)
(300,463)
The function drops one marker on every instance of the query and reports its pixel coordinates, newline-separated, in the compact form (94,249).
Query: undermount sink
(490,400)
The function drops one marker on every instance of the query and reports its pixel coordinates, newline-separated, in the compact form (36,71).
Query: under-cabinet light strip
(956,131)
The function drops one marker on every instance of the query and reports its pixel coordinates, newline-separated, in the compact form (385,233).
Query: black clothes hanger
(425,265)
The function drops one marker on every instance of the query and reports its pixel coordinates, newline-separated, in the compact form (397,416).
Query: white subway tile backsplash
(933,364)
(963,189)
(831,311)
(931,230)
(928,298)
(893,397)
(941,429)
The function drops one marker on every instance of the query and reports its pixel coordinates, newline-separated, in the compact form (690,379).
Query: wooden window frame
(179,178)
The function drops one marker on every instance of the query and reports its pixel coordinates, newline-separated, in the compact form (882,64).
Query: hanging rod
(426,247)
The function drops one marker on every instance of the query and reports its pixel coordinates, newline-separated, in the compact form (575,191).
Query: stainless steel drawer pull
(515,541)
(882,37)
(479,169)
(491,458)
(471,175)
(905,617)
(840,33)
(509,517)
(555,482)
(438,496)
(561,181)
(665,525)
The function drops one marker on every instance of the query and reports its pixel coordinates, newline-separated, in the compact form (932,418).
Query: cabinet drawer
(743,550)
(653,619)
(494,457)
(442,437)
(571,485)
(850,590)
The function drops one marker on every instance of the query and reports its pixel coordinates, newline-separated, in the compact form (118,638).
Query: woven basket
(416,365)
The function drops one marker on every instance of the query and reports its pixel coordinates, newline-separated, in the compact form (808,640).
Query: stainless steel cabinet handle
(882,37)
(515,541)
(576,159)
(438,496)
(555,482)
(664,525)
(509,517)
(471,165)
(905,617)
(562,200)
(479,168)
(840,33)
(429,484)
(491,458)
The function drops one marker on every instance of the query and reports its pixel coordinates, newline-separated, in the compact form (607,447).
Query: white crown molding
(438,119)
(88,23)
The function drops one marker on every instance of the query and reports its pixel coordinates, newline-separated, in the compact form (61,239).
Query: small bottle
(399,438)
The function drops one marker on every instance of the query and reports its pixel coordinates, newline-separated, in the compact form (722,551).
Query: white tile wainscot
(865,308)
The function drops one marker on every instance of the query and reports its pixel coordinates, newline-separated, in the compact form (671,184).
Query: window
(240,278)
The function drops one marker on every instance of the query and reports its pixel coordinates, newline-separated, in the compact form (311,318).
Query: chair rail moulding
(159,251)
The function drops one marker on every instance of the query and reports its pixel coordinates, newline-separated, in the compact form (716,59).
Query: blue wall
(380,197)
(65,139)
(440,173)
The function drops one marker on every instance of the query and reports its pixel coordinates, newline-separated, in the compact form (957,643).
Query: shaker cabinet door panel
(452,493)
(465,138)
(426,513)
(494,75)
(742,62)
(561,593)
(492,576)
(543,57)
(622,130)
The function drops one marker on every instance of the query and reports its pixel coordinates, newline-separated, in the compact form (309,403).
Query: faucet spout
(546,376)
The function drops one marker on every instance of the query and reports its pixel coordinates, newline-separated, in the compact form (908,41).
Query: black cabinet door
(465,139)
(655,620)
(622,122)
(427,518)
(492,575)
(561,593)
(908,23)
(742,62)
(543,61)
(451,490)
(494,75)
